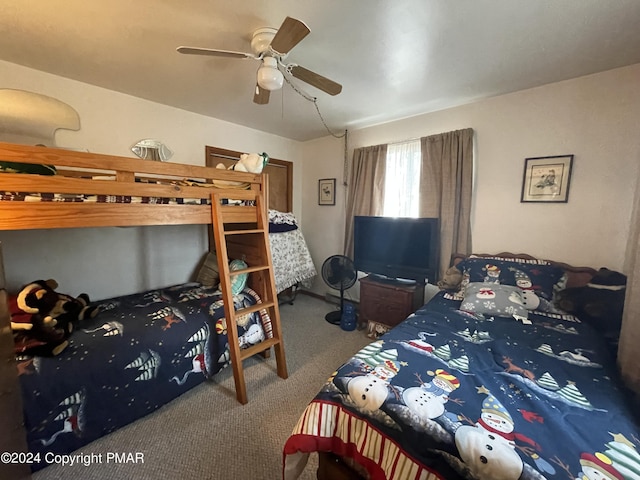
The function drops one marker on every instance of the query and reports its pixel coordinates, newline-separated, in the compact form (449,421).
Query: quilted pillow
(238,282)
(280,218)
(537,275)
(281,222)
(494,299)
(208,274)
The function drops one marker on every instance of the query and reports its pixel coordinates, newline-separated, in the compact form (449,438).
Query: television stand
(385,302)
(384,279)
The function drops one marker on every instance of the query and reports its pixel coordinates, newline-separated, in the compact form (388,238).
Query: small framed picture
(546,179)
(327,191)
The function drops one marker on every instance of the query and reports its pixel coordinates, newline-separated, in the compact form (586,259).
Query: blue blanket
(140,352)
(454,394)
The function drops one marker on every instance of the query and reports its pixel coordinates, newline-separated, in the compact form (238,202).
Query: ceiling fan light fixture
(269,77)
(271,46)
(261,40)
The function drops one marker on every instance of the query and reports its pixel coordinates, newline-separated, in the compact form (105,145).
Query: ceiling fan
(271,46)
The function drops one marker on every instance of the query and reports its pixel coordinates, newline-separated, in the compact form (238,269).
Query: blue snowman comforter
(450,394)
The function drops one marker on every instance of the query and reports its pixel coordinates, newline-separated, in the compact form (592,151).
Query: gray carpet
(207,434)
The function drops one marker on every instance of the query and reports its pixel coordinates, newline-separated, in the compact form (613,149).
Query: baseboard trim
(313,294)
(327,297)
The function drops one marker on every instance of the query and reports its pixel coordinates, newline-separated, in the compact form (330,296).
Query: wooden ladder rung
(257,268)
(244,232)
(258,348)
(254,308)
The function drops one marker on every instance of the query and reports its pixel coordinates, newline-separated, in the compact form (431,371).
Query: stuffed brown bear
(42,319)
(34,329)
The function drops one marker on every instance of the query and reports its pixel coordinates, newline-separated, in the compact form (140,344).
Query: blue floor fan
(338,272)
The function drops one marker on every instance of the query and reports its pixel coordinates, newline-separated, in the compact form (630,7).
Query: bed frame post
(13,437)
(265,191)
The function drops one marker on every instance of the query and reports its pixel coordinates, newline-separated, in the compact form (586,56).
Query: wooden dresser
(385,303)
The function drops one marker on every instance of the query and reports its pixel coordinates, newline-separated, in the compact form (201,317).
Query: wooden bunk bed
(95,190)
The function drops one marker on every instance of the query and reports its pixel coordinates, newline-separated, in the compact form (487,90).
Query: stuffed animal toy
(451,280)
(42,319)
(69,311)
(249,162)
(37,298)
(33,332)
(599,303)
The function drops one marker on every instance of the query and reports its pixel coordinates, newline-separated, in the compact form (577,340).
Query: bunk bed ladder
(249,242)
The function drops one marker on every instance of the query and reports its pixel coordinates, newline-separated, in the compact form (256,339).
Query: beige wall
(112,261)
(596,118)
(323,225)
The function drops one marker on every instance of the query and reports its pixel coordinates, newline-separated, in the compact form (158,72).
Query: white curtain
(402,180)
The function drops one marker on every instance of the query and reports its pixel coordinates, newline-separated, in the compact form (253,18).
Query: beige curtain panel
(365,193)
(628,352)
(445,189)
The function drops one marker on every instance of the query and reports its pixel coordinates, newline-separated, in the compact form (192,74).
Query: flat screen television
(397,248)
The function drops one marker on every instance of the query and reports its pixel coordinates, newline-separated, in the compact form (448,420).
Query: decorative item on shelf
(149,149)
(327,191)
(546,179)
(30,118)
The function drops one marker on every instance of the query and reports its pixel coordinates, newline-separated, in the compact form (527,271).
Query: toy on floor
(42,319)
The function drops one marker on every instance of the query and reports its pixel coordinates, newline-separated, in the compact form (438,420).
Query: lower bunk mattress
(140,352)
(450,394)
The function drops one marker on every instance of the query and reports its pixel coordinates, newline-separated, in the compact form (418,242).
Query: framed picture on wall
(327,191)
(546,179)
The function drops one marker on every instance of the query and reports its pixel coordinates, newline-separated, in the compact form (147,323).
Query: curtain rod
(408,140)
(426,136)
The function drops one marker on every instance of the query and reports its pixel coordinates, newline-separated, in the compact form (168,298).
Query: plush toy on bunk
(248,162)
(42,319)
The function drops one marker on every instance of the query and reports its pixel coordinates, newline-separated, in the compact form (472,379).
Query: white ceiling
(394,58)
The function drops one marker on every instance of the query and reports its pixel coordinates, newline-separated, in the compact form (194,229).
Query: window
(402,180)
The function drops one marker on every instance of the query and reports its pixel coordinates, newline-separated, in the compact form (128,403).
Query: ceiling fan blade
(318,81)
(261,97)
(290,33)
(213,52)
